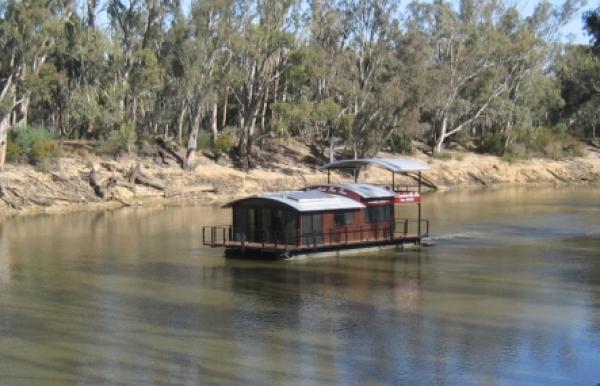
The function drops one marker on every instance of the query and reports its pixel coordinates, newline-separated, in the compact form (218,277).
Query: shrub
(42,150)
(515,152)
(223,144)
(27,136)
(204,141)
(493,143)
(543,142)
(444,156)
(120,140)
(401,144)
(14,152)
(31,144)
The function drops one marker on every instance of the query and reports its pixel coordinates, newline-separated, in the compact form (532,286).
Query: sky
(573,31)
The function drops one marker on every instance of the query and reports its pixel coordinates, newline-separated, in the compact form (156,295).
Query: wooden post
(419,222)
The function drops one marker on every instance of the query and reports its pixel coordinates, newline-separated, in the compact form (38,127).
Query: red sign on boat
(407,198)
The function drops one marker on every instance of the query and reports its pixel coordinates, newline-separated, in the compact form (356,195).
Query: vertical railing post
(223,235)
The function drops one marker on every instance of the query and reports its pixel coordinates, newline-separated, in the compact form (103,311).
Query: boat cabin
(323,217)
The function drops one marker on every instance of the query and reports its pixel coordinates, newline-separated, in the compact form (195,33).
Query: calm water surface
(509,295)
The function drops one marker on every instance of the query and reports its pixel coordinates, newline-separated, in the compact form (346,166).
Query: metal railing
(349,235)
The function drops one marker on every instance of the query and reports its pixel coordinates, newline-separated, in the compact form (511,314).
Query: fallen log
(192,190)
(6,194)
(167,151)
(136,175)
(41,201)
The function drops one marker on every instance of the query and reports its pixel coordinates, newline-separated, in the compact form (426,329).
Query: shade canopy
(366,191)
(398,165)
(301,201)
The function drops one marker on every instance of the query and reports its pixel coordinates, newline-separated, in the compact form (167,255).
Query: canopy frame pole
(328,176)
(393,181)
(419,207)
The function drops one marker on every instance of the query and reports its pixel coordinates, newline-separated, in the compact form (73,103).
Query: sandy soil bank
(78,183)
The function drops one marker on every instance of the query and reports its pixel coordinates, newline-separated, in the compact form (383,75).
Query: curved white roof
(310,201)
(392,164)
(366,191)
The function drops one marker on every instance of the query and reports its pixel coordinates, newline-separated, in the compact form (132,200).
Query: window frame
(347,219)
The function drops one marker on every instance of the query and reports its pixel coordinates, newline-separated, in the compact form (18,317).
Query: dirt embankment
(84,182)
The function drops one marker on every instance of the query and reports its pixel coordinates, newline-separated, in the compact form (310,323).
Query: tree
(28,31)
(592,26)
(478,56)
(262,52)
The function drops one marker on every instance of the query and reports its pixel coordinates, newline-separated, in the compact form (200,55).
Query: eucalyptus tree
(262,50)
(136,28)
(28,31)
(385,75)
(578,70)
(206,59)
(479,54)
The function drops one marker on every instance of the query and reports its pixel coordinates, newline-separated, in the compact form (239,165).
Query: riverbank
(80,182)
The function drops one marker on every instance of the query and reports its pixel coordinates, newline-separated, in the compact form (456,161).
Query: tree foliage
(365,71)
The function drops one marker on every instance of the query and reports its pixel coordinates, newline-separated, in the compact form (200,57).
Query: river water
(508,295)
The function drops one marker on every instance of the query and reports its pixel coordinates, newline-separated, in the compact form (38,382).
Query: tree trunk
(243,143)
(180,124)
(213,121)
(224,119)
(91,13)
(193,139)
(4,125)
(24,110)
(264,111)
(439,145)
(507,133)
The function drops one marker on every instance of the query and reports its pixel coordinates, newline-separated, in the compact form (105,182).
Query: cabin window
(379,213)
(344,218)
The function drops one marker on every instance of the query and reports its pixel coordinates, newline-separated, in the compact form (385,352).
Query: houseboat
(330,218)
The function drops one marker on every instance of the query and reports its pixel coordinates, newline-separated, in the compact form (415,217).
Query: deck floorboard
(270,246)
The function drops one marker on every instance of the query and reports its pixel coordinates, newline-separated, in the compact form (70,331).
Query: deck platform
(221,236)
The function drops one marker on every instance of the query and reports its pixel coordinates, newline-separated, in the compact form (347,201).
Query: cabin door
(312,229)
